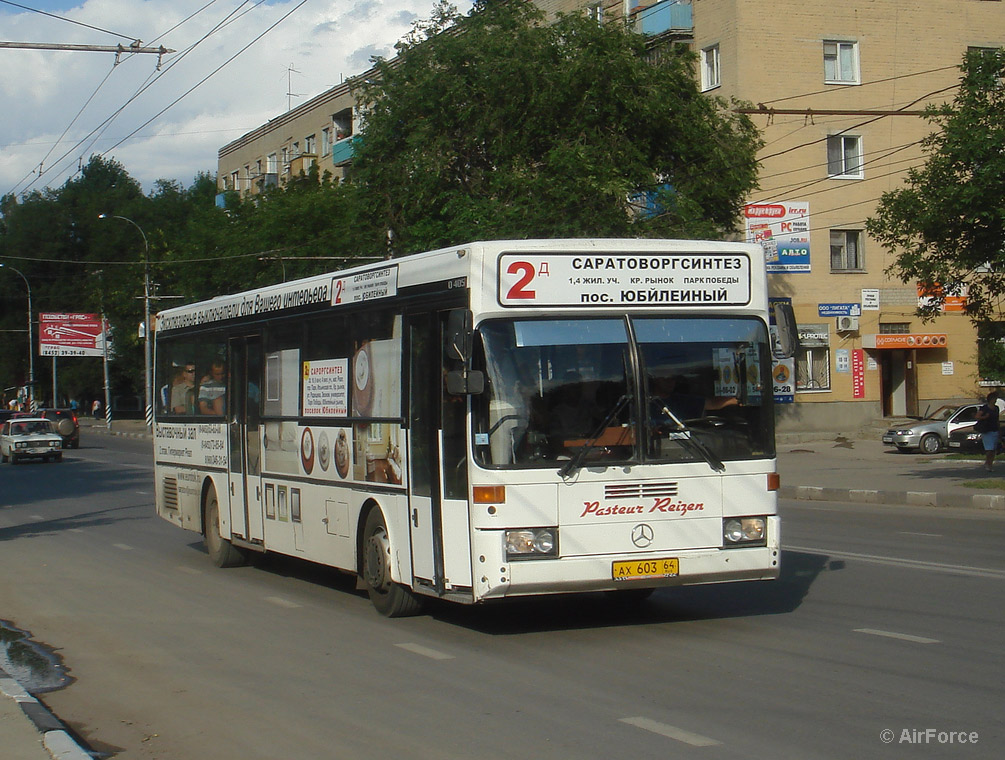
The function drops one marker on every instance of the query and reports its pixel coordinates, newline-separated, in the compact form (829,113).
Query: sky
(59,108)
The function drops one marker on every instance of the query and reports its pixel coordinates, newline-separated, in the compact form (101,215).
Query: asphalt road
(887,619)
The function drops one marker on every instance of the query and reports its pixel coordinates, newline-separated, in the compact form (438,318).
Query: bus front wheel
(220,550)
(389,598)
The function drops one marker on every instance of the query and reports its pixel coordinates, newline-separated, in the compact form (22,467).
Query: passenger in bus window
(183,389)
(213,390)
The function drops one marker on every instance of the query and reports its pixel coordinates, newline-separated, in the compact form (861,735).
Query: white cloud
(325,41)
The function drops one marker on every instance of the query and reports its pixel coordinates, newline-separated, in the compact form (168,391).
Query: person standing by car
(987,426)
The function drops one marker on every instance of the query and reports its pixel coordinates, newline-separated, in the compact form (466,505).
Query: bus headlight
(744,531)
(531,543)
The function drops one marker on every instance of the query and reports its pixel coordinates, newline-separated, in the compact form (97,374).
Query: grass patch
(993,484)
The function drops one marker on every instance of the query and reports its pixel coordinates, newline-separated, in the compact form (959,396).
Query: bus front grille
(640,490)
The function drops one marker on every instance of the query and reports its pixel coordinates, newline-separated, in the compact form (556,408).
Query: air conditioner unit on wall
(847,324)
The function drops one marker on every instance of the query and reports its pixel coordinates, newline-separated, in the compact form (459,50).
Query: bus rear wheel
(389,598)
(220,550)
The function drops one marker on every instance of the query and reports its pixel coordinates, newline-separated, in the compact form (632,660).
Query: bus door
(246,517)
(437,482)
(423,459)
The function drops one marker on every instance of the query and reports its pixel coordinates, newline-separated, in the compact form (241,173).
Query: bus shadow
(510,617)
(668,605)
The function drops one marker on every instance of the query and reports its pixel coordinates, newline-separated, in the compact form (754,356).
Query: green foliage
(947,225)
(497,125)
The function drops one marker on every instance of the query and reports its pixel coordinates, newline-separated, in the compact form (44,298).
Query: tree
(496,125)
(947,225)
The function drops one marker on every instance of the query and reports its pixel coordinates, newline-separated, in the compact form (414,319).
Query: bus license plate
(644,569)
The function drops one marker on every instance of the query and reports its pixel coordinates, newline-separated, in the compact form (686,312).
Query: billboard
(70,335)
(783,230)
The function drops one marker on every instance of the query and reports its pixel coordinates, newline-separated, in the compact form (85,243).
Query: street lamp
(31,353)
(148,346)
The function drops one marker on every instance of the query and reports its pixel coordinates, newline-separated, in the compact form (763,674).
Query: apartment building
(318,132)
(837,88)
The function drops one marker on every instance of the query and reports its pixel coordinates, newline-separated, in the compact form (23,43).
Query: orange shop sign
(908,340)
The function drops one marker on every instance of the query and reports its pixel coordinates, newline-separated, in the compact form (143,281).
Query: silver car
(931,434)
(30,438)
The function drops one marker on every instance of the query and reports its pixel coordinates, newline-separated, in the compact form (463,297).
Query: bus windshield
(621,391)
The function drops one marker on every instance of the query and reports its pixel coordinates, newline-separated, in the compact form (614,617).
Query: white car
(30,438)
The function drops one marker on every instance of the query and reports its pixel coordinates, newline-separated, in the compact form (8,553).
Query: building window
(710,68)
(844,156)
(813,365)
(840,62)
(342,122)
(272,164)
(234,181)
(894,328)
(326,140)
(309,144)
(846,251)
(595,12)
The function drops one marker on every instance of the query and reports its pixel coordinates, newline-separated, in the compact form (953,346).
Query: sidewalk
(862,470)
(28,731)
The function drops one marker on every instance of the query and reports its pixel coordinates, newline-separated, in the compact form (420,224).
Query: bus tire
(220,550)
(389,598)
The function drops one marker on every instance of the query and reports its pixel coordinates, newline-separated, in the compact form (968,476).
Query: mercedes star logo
(642,535)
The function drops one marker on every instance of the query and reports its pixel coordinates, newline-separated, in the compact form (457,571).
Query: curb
(55,738)
(900,498)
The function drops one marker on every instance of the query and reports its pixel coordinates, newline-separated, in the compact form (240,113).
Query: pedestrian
(987,426)
(96,408)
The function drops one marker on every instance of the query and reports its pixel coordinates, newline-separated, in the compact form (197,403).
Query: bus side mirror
(459,334)
(464,383)
(788,334)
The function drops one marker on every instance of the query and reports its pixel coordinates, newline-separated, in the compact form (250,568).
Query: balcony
(343,151)
(660,18)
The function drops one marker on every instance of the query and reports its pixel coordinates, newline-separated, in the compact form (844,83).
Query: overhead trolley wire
(69,20)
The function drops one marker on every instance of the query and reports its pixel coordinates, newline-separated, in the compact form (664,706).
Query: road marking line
(76,530)
(189,570)
(925,535)
(425,651)
(977,572)
(901,636)
(671,732)
(37,518)
(123,547)
(279,601)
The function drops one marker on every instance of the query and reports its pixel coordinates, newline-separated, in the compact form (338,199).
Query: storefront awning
(908,340)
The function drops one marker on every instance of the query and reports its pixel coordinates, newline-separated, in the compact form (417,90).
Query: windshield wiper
(591,443)
(683,434)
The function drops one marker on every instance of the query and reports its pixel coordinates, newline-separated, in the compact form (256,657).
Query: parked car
(966,439)
(30,438)
(66,424)
(931,434)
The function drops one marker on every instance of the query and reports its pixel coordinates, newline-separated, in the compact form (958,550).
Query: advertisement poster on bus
(326,388)
(70,335)
(783,230)
(783,371)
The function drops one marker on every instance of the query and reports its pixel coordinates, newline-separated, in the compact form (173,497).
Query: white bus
(491,420)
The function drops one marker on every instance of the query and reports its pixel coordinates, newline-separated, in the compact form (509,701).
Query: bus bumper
(581,574)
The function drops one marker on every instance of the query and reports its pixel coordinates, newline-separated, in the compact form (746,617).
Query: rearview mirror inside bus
(460,383)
